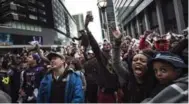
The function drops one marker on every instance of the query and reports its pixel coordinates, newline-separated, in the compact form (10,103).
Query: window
(41,4)
(23,26)
(2,1)
(42,19)
(42,12)
(20,6)
(13,25)
(13,6)
(32,28)
(18,25)
(28,27)
(32,1)
(33,17)
(4,5)
(32,9)
(15,16)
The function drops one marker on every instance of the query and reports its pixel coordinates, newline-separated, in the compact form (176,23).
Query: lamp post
(102,4)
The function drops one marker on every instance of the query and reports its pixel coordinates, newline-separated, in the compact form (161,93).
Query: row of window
(58,16)
(33,17)
(33,9)
(30,1)
(14,6)
(18,16)
(124,8)
(37,2)
(1,1)
(24,26)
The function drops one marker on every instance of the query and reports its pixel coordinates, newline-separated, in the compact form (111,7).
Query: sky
(81,7)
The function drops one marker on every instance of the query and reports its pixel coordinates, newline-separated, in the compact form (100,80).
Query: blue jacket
(73,91)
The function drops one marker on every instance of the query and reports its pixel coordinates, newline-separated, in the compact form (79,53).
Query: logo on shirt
(6,80)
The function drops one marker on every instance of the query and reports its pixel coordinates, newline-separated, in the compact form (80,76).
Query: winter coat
(83,79)
(134,92)
(91,68)
(174,93)
(73,91)
(106,73)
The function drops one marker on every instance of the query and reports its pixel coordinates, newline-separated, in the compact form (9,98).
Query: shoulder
(74,76)
(47,78)
(181,82)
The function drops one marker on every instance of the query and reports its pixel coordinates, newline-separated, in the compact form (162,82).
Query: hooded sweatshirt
(174,93)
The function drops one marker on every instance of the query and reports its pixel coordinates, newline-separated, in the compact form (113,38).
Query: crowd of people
(151,69)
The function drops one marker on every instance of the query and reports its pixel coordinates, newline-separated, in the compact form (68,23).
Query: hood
(183,79)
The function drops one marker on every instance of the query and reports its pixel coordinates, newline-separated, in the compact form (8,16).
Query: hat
(36,56)
(55,54)
(171,58)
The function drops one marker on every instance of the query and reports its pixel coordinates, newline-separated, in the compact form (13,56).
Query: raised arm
(120,69)
(93,42)
(142,44)
(40,54)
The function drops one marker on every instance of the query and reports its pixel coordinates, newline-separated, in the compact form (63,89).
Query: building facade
(136,16)
(47,21)
(79,18)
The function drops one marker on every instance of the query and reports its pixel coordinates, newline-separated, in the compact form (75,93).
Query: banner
(16,39)
(5,39)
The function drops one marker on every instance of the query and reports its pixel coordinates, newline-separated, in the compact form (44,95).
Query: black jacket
(108,79)
(133,91)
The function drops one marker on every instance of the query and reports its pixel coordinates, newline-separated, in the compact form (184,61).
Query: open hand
(22,93)
(117,34)
(89,18)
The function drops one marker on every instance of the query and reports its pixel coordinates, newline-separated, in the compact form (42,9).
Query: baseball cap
(171,58)
(55,54)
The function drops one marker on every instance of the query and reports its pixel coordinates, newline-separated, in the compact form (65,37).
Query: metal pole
(107,27)
(102,14)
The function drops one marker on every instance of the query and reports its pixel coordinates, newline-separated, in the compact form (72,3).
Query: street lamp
(102,4)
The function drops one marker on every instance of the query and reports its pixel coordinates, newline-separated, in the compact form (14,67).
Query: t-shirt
(32,79)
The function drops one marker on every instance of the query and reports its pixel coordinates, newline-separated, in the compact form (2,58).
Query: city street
(94,51)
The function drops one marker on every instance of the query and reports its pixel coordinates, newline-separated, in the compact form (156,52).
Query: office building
(79,21)
(136,16)
(47,21)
